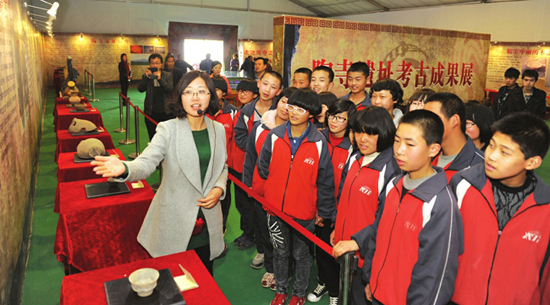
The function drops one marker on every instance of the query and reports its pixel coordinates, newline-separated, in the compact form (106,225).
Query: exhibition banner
(519,55)
(442,60)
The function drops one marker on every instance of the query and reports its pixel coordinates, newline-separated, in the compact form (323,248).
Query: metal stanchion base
(133,155)
(88,94)
(124,142)
(155,186)
(120,130)
(93,100)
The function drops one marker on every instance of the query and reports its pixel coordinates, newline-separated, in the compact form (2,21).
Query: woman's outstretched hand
(211,199)
(108,166)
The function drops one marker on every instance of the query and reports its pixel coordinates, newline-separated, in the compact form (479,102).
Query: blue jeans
(286,239)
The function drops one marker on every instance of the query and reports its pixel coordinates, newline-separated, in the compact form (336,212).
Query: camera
(153,70)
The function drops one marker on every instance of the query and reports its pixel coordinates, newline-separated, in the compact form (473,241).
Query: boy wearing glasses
(269,87)
(295,162)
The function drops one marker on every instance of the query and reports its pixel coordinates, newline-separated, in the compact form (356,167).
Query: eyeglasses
(295,108)
(190,93)
(417,103)
(244,92)
(339,119)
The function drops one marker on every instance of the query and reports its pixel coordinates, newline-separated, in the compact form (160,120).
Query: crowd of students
(437,197)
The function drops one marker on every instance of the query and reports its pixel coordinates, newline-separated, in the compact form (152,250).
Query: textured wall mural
(415,57)
(22,97)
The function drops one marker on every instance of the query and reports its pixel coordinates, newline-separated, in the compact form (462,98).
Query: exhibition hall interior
(105,190)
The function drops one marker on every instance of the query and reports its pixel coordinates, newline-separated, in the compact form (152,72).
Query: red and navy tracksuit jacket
(243,125)
(226,117)
(339,155)
(469,156)
(508,266)
(256,139)
(363,193)
(416,243)
(364,104)
(299,186)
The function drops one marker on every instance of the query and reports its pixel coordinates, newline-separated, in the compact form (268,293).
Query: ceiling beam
(378,5)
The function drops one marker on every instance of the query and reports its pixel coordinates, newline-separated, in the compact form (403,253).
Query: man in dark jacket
(500,104)
(169,66)
(248,67)
(158,86)
(183,65)
(206,64)
(529,98)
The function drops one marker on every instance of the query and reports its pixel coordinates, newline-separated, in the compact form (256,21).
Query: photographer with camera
(158,86)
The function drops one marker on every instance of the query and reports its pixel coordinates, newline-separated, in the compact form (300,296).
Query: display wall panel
(22,99)
(416,57)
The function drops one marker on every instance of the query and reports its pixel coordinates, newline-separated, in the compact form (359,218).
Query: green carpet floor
(238,281)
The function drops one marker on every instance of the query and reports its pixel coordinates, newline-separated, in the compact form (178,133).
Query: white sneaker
(333,301)
(258,261)
(317,293)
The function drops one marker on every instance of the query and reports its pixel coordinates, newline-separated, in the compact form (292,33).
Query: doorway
(195,50)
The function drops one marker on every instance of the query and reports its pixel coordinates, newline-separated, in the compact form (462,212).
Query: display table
(100,232)
(60,100)
(68,170)
(68,143)
(87,288)
(64,118)
(64,106)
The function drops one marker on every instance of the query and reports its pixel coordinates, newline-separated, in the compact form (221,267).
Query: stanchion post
(85,82)
(127,141)
(88,80)
(136,119)
(93,90)
(348,263)
(120,102)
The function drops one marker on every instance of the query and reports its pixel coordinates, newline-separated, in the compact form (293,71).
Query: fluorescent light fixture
(53,10)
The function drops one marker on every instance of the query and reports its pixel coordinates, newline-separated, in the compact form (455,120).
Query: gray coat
(171,217)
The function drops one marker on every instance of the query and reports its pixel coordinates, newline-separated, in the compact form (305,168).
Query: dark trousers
(204,254)
(282,237)
(226,203)
(358,296)
(158,117)
(124,87)
(328,268)
(244,205)
(262,236)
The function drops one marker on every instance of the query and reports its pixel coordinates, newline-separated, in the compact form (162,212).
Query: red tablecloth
(68,171)
(87,288)
(64,106)
(59,100)
(64,117)
(100,232)
(68,143)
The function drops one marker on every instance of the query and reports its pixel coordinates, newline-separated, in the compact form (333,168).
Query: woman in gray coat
(193,153)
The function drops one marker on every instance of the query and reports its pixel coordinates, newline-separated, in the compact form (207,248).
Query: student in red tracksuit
(296,164)
(256,138)
(337,135)
(225,116)
(457,149)
(363,184)
(505,208)
(269,86)
(411,250)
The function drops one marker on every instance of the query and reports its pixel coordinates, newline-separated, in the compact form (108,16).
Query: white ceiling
(331,8)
